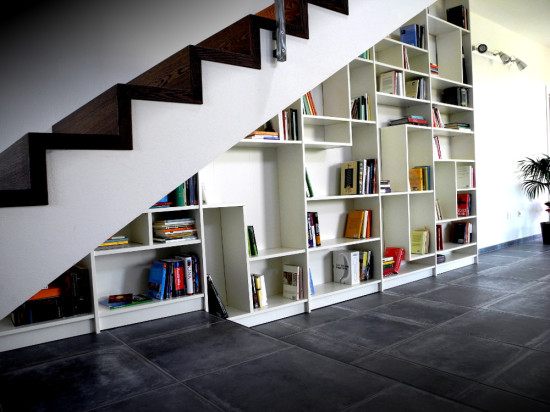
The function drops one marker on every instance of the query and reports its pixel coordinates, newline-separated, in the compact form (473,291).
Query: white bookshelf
(262,183)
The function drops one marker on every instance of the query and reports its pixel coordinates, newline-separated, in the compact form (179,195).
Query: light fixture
(504,58)
(521,64)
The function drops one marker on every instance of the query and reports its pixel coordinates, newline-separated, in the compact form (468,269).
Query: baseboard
(509,243)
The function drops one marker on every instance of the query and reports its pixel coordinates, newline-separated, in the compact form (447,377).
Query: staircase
(125,149)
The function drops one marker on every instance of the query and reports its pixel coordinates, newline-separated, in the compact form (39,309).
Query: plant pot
(545,230)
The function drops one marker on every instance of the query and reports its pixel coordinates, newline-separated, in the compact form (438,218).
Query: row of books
(361,108)
(313,231)
(258,290)
(391,82)
(351,267)
(358,224)
(420,241)
(290,124)
(186,194)
(174,277)
(415,120)
(463,204)
(68,295)
(115,242)
(391,262)
(413,34)
(458,96)
(358,177)
(367,54)
(308,104)
(293,282)
(465,177)
(461,233)
(172,230)
(416,89)
(420,178)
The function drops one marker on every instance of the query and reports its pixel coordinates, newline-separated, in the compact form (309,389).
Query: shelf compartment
(409,272)
(112,318)
(12,337)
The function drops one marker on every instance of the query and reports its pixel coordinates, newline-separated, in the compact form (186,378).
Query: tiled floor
(477,338)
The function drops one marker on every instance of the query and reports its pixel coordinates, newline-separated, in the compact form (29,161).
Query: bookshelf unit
(262,183)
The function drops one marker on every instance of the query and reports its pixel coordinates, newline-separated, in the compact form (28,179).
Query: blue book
(157,280)
(409,34)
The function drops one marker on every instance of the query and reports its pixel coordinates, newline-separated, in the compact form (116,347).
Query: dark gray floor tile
(538,288)
(467,356)
(423,311)
(497,283)
(464,296)
(498,258)
(153,328)
(173,398)
(369,302)
(491,399)
(292,380)
(277,329)
(318,317)
(422,377)
(400,398)
(524,304)
(418,287)
(373,332)
(503,327)
(335,349)
(81,382)
(522,272)
(33,355)
(199,351)
(528,376)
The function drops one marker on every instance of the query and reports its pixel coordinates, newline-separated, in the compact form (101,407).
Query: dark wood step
(105,122)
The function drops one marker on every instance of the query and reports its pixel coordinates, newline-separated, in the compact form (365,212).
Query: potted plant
(535,173)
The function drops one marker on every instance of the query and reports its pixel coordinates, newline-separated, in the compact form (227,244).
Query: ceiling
(529,18)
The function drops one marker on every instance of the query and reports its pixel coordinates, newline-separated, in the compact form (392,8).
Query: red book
(463,204)
(397,253)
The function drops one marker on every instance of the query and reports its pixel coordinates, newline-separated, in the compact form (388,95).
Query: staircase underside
(88,201)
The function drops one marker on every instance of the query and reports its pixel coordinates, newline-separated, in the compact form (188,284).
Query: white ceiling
(529,18)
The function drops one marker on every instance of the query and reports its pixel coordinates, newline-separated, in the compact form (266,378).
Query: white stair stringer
(92,194)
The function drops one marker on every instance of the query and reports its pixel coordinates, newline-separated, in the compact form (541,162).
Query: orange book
(354,224)
(50,292)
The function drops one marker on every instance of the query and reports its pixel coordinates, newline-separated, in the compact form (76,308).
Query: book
(316,229)
(215,303)
(420,241)
(157,280)
(309,188)
(174,270)
(255,300)
(262,134)
(439,237)
(461,232)
(409,34)
(345,267)
(391,82)
(458,16)
(465,177)
(365,265)
(348,178)
(76,290)
(463,204)
(291,282)
(252,246)
(414,120)
(354,224)
(416,179)
(311,286)
(397,254)
(136,300)
(259,282)
(48,292)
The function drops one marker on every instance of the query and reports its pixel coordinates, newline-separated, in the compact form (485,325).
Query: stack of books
(115,242)
(457,126)
(385,186)
(165,231)
(413,119)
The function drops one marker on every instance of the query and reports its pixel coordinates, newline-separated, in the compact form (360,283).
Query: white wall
(510,123)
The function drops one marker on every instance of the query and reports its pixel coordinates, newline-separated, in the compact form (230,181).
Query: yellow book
(416,180)
(354,224)
(420,241)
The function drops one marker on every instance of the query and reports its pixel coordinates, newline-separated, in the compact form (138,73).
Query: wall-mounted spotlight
(504,58)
